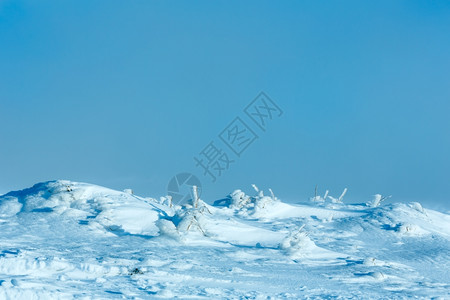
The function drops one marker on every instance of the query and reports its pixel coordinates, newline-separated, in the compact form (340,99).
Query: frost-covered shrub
(167,201)
(296,242)
(370,261)
(249,205)
(239,199)
(377,200)
(341,197)
(167,228)
(320,199)
(417,206)
(409,229)
(405,228)
(263,203)
(190,217)
(128,191)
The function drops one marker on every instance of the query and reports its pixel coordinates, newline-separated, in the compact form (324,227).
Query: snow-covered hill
(63,240)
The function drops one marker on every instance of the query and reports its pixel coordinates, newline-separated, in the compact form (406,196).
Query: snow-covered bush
(249,205)
(341,197)
(406,228)
(128,191)
(417,206)
(297,242)
(239,199)
(167,200)
(167,228)
(191,216)
(262,202)
(318,198)
(191,219)
(377,200)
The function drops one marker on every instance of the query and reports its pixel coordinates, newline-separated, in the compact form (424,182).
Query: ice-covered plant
(191,216)
(199,204)
(249,205)
(189,220)
(128,191)
(167,200)
(239,199)
(406,228)
(318,198)
(417,206)
(296,241)
(260,193)
(377,199)
(272,195)
(167,227)
(341,197)
(261,202)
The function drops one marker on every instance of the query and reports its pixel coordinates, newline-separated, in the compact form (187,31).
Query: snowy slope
(64,240)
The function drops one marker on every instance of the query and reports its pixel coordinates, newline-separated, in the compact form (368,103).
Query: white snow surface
(66,240)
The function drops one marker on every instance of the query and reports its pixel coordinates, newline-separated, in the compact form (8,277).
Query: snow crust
(65,240)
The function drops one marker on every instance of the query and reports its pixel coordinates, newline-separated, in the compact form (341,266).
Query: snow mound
(64,240)
(89,204)
(409,220)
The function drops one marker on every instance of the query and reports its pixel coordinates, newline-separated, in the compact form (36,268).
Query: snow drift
(64,239)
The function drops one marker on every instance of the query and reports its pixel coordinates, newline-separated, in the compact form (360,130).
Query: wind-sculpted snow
(89,204)
(63,240)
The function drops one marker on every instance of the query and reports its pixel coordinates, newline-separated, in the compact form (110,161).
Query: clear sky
(125,93)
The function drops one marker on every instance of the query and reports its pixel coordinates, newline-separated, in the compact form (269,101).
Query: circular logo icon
(180,187)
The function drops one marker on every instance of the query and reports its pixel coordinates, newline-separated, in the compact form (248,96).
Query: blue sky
(126,93)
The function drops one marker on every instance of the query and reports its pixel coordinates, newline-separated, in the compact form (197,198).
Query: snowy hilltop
(63,240)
